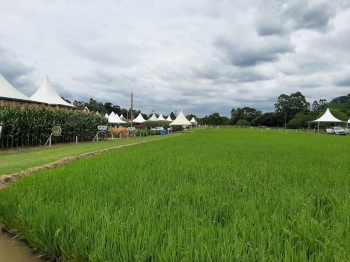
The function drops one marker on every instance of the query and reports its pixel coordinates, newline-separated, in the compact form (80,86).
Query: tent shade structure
(139,119)
(9,92)
(153,118)
(161,118)
(168,118)
(48,95)
(326,117)
(193,121)
(180,120)
(106,115)
(122,117)
(114,119)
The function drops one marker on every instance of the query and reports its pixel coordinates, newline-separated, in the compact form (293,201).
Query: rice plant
(211,195)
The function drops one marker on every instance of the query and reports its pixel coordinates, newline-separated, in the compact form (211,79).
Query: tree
(92,101)
(301,120)
(250,113)
(236,115)
(66,100)
(79,104)
(242,122)
(268,119)
(319,106)
(189,117)
(173,116)
(289,106)
(315,106)
(247,113)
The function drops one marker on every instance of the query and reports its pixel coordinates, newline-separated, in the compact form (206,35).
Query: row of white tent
(45,93)
(180,119)
(48,95)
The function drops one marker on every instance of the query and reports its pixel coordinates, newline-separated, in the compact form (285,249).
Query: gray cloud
(265,50)
(14,71)
(195,56)
(343,81)
(305,16)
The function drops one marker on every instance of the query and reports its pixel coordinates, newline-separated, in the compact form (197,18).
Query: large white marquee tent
(153,118)
(139,119)
(180,120)
(9,92)
(326,117)
(193,121)
(47,94)
(115,119)
(161,117)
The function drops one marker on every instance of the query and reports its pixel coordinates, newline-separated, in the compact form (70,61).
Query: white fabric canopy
(168,118)
(114,119)
(47,94)
(139,119)
(161,118)
(153,118)
(8,91)
(326,117)
(180,120)
(193,120)
(122,117)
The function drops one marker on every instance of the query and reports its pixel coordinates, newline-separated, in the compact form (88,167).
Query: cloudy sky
(197,56)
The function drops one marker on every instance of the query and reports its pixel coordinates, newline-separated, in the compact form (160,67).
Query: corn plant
(30,125)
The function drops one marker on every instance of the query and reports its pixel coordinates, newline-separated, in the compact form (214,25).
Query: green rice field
(210,195)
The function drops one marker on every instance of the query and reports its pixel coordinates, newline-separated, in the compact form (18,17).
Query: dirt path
(5,180)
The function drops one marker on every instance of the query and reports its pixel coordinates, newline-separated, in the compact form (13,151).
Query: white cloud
(199,57)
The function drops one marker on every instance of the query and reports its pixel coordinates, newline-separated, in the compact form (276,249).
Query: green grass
(12,161)
(212,195)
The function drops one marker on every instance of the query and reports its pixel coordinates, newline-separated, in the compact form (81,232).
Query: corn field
(30,125)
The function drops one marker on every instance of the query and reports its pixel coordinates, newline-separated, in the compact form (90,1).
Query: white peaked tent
(153,118)
(114,119)
(8,91)
(122,117)
(193,121)
(161,117)
(180,120)
(139,119)
(97,113)
(48,95)
(168,118)
(106,115)
(326,117)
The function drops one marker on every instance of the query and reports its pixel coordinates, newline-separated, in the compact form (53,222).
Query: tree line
(291,111)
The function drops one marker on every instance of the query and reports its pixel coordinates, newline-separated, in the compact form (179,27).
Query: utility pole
(132,104)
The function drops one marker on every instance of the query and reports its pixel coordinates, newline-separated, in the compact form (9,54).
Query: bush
(242,122)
